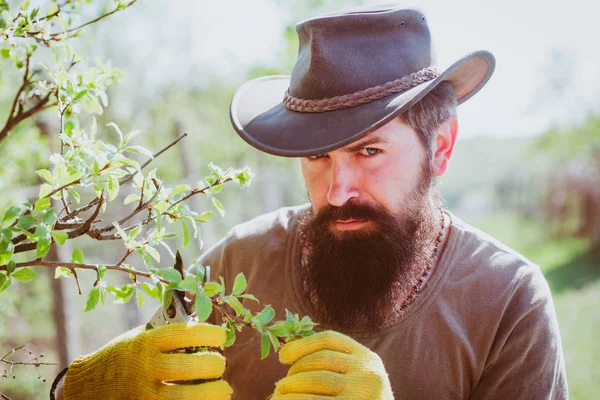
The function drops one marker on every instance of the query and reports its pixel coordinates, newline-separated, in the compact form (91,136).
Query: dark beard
(359,280)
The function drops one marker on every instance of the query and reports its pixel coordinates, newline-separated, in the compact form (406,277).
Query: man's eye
(317,157)
(370,151)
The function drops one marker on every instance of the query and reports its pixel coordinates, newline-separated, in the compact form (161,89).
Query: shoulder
(266,233)
(267,225)
(480,254)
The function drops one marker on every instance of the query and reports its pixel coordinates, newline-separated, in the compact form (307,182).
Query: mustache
(350,210)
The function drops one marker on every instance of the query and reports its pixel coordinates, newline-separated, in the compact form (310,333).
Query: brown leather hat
(356,70)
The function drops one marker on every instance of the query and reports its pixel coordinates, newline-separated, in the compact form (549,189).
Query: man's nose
(342,185)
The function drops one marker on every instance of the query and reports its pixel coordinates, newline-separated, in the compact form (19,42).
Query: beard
(360,279)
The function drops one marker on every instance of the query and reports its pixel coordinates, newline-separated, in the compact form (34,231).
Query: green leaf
(170,275)
(10,267)
(249,297)
(216,188)
(186,234)
(53,9)
(244,177)
(139,296)
(68,128)
(80,94)
(122,294)
(203,307)
(239,285)
(130,136)
(92,300)
(280,328)
(274,340)
(265,346)
(101,271)
(46,175)
(213,288)
(134,232)
(248,316)
(60,237)
(45,190)
(77,257)
(236,305)
(219,206)
(50,216)
(26,221)
(151,291)
(140,150)
(118,130)
(189,284)
(180,188)
(4,282)
(25,5)
(11,214)
(92,105)
(153,252)
(41,231)
(43,247)
(6,235)
(266,315)
(230,338)
(74,194)
(24,274)
(113,187)
(200,272)
(62,271)
(5,52)
(41,205)
(204,217)
(6,252)
(132,198)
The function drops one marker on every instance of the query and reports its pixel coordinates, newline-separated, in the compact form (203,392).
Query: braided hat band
(361,96)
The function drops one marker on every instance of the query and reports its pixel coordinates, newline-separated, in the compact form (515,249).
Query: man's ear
(444,146)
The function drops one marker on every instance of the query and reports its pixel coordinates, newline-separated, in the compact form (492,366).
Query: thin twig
(83,229)
(136,211)
(96,20)
(129,177)
(197,191)
(66,206)
(79,210)
(74,272)
(129,251)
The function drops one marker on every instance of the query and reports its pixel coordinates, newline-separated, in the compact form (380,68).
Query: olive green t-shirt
(484,327)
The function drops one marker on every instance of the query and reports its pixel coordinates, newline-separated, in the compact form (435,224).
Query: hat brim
(260,118)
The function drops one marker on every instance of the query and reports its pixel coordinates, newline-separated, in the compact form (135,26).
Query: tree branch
(94,267)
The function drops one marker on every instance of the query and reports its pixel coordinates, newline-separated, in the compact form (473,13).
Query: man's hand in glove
(333,365)
(139,365)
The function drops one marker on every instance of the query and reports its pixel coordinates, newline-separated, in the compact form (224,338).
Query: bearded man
(412,303)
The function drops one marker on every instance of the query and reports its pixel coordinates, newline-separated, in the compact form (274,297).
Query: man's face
(375,212)
(382,169)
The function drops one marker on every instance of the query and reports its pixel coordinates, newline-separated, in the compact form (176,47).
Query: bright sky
(194,37)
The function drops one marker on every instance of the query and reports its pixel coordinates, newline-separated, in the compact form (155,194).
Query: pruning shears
(177,307)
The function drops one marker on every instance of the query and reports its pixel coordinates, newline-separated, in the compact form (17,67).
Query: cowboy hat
(356,70)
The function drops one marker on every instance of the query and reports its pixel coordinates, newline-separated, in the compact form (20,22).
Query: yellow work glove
(138,365)
(334,366)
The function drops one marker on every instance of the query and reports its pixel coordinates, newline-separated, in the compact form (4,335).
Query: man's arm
(526,360)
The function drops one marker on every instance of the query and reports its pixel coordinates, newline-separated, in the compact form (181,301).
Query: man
(412,302)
